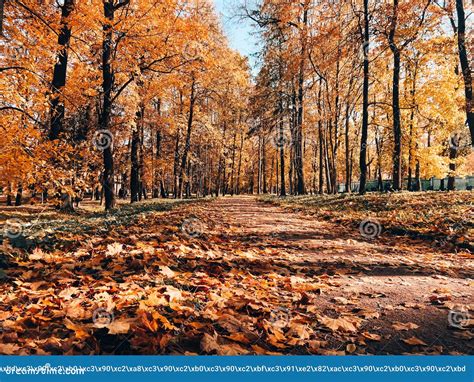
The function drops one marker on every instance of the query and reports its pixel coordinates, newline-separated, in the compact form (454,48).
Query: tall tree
(365,102)
(60,72)
(465,66)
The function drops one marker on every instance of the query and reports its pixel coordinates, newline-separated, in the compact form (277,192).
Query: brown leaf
(9,349)
(167,271)
(76,311)
(404,326)
(118,327)
(371,336)
(173,293)
(209,343)
(414,341)
(338,324)
(79,330)
(114,249)
(351,348)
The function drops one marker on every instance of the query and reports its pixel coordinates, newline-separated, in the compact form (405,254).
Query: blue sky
(239,32)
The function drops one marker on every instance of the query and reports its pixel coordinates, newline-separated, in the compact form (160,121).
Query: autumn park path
(391,280)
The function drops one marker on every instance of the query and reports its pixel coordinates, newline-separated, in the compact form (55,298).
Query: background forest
(140,99)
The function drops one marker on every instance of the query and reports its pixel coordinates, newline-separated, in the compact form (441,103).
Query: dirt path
(232,276)
(393,279)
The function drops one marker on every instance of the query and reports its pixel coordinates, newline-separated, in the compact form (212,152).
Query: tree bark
(282,148)
(105,115)
(264,166)
(365,104)
(135,171)
(411,149)
(240,163)
(417,186)
(2,5)
(321,158)
(232,176)
(397,133)
(60,73)
(298,144)
(453,154)
(187,146)
(9,195)
(347,150)
(19,195)
(465,66)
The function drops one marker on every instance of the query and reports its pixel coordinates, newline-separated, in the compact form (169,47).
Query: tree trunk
(59,74)
(298,143)
(176,163)
(141,154)
(105,115)
(453,154)
(240,163)
(397,132)
(264,166)
(19,195)
(411,149)
(9,195)
(465,66)
(135,171)
(327,165)
(158,191)
(365,104)
(259,170)
(2,4)
(282,150)
(347,151)
(187,146)
(321,159)
(232,176)
(417,186)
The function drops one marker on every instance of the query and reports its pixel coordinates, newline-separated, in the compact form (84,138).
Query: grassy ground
(445,219)
(30,226)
